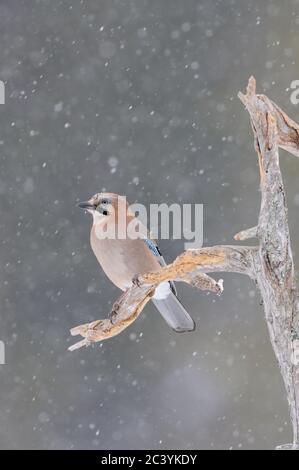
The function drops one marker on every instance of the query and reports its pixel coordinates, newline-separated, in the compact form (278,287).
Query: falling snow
(137,98)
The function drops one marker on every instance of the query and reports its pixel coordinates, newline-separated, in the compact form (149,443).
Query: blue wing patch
(155,250)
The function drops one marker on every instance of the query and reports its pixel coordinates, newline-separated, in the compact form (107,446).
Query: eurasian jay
(122,258)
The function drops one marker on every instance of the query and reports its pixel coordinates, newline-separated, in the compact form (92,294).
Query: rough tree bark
(269,264)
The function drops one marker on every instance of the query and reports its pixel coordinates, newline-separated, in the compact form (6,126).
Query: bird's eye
(102,207)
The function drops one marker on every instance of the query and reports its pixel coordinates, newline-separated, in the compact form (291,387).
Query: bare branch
(124,312)
(274,265)
(246,234)
(189,267)
(287,129)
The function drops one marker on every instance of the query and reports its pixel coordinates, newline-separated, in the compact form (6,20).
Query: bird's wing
(152,245)
(170,307)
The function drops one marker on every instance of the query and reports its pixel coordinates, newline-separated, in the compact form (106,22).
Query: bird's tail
(174,313)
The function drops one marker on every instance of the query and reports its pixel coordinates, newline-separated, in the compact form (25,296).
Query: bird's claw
(112,316)
(114,312)
(136,281)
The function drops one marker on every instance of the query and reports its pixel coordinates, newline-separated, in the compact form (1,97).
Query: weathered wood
(189,267)
(269,264)
(274,267)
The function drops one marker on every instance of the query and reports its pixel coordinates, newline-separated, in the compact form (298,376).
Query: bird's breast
(121,259)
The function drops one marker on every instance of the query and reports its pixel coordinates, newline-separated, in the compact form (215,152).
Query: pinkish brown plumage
(122,257)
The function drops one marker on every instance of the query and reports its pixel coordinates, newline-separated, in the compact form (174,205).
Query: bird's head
(105,206)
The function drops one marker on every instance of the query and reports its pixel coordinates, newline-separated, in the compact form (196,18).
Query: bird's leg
(113,314)
(115,308)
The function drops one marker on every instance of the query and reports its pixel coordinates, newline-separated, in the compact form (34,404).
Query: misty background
(137,97)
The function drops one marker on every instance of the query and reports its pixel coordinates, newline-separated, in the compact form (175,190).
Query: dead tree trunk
(269,264)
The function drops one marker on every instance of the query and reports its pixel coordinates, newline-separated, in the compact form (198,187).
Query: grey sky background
(136,97)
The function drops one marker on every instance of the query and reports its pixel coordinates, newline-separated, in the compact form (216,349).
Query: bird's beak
(87,205)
